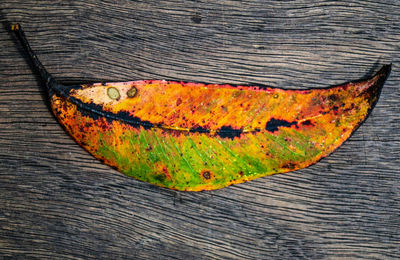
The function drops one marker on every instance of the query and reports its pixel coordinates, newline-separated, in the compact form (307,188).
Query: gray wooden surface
(57,201)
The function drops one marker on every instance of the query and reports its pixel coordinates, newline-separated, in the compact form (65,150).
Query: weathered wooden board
(56,201)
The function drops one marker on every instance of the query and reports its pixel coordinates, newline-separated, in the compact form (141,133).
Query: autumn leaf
(195,136)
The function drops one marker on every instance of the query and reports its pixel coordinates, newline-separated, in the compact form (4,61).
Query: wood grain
(58,202)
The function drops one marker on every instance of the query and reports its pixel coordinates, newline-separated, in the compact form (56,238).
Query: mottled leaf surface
(193,136)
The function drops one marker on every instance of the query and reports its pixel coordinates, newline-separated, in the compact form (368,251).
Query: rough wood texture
(56,201)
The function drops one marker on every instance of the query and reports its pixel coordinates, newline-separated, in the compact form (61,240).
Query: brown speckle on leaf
(333,97)
(289,166)
(131,92)
(206,175)
(178,101)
